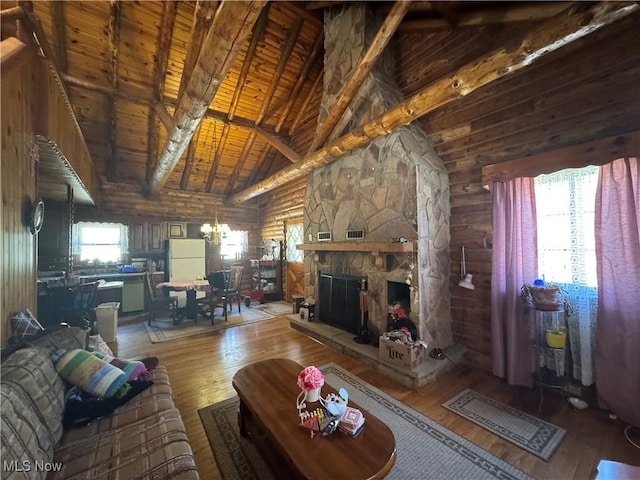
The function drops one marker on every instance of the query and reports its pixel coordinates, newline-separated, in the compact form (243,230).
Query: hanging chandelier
(212,234)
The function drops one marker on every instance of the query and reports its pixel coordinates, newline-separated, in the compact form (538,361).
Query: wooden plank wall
(278,207)
(18,245)
(581,93)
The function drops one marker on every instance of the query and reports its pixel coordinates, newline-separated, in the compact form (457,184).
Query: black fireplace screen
(339,301)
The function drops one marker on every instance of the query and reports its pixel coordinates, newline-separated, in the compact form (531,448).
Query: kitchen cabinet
(147,237)
(53,238)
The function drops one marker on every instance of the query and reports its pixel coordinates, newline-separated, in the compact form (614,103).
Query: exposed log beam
(304,75)
(240,163)
(58,33)
(142,97)
(231,27)
(282,62)
(534,44)
(305,104)
(490,16)
(258,33)
(202,20)
(113,37)
(217,154)
(279,145)
(359,75)
(163,47)
(191,155)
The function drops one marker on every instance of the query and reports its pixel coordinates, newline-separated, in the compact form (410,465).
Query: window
(233,243)
(294,237)
(565,205)
(105,242)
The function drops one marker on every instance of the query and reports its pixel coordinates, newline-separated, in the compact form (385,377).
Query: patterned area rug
(276,308)
(163,329)
(526,431)
(425,448)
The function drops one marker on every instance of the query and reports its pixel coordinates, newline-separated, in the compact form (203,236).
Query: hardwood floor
(201,368)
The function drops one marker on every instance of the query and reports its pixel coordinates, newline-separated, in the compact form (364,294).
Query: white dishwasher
(133,293)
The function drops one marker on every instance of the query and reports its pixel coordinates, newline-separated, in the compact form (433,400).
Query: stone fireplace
(395,187)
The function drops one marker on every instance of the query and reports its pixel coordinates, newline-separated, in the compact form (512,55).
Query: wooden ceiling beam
(534,44)
(279,145)
(113,38)
(282,63)
(59,36)
(160,66)
(191,155)
(256,37)
(302,79)
(305,104)
(202,20)
(359,75)
(499,15)
(217,154)
(231,27)
(240,163)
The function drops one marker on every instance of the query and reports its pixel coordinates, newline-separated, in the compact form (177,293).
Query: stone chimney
(394,187)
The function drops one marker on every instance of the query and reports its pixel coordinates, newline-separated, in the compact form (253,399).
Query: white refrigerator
(186,261)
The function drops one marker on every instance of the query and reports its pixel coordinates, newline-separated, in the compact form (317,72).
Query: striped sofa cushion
(90,373)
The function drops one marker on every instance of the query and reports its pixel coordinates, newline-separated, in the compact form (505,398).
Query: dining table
(191,287)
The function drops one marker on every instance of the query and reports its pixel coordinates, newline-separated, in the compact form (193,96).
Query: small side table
(297,302)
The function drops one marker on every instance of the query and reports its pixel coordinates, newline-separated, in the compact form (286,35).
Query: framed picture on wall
(177,230)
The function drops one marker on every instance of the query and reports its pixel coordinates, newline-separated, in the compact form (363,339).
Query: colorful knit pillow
(91,374)
(134,369)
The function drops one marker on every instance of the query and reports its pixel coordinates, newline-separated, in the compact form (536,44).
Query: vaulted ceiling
(215,98)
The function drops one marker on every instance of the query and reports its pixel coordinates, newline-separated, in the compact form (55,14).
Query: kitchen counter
(100,276)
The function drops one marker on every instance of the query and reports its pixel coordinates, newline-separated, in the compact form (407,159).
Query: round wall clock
(37,216)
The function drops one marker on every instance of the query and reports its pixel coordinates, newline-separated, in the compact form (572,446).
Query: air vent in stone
(324,236)
(355,234)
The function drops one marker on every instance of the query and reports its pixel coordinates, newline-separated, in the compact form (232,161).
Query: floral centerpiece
(311,380)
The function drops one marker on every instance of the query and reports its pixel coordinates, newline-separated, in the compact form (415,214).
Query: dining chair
(158,303)
(74,304)
(216,297)
(235,286)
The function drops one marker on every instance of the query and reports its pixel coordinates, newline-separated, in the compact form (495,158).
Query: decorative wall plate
(37,216)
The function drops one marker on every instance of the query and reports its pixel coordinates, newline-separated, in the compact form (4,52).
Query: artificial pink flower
(310,378)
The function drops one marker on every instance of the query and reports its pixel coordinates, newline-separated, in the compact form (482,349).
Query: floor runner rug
(276,308)
(163,329)
(526,431)
(425,448)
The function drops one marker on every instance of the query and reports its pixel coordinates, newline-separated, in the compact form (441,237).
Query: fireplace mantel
(377,249)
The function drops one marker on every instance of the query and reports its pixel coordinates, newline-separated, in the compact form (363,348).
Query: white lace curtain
(121,238)
(565,205)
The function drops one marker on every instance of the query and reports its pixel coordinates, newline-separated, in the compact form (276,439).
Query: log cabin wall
(18,245)
(584,91)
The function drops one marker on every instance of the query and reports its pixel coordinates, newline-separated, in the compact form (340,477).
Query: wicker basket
(545,297)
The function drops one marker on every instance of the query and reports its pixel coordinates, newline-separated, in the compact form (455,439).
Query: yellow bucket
(555,339)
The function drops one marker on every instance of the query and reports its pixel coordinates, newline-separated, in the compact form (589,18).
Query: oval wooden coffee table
(268,416)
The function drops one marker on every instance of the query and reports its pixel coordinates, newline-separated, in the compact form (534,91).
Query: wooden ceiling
(216,98)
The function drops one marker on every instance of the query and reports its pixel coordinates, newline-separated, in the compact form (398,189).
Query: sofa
(144,438)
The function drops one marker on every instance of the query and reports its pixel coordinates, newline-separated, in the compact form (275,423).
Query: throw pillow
(135,370)
(91,374)
(25,325)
